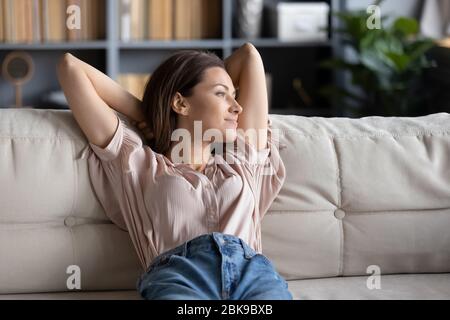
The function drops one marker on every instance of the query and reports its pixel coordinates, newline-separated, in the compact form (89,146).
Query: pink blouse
(162,204)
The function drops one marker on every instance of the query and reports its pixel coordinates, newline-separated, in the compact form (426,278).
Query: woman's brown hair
(181,72)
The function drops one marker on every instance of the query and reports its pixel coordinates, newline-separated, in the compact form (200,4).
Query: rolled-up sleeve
(271,173)
(266,167)
(106,168)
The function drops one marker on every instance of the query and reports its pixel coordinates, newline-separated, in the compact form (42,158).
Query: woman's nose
(237,107)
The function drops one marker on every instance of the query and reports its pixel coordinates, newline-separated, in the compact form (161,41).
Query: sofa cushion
(392,287)
(77,295)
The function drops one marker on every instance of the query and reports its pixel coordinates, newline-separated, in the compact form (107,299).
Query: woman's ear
(180,105)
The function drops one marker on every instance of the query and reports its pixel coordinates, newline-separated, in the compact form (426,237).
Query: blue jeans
(212,266)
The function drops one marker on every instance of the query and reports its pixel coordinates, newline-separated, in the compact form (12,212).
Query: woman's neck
(199,158)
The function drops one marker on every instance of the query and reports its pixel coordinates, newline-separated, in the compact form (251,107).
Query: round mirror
(18,68)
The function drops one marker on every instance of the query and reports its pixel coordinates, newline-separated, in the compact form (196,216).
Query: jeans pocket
(160,262)
(164,259)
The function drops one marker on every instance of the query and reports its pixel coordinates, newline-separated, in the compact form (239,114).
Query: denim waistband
(219,240)
(215,238)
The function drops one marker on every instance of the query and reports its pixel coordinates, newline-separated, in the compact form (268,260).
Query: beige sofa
(362,197)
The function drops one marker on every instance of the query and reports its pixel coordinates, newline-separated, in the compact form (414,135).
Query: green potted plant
(389,70)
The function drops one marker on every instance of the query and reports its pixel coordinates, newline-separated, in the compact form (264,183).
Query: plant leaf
(400,61)
(405,26)
(419,47)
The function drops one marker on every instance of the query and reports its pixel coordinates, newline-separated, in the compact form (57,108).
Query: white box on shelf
(299,21)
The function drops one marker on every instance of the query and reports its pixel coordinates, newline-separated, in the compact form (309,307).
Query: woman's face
(213,103)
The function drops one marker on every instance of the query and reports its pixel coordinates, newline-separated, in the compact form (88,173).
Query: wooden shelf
(55,45)
(274,42)
(163,44)
(172,44)
(219,43)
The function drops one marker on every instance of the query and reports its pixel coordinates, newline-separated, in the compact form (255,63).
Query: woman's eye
(221,93)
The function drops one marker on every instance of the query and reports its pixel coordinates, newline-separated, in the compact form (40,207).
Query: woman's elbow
(65,62)
(249,48)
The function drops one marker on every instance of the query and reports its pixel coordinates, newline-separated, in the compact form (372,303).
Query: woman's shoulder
(127,147)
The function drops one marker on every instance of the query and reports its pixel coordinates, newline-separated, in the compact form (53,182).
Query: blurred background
(334,58)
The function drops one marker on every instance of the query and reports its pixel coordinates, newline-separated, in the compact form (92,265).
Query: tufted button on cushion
(70,222)
(339,214)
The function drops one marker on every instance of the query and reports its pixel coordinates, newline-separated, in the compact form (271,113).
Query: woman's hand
(143,128)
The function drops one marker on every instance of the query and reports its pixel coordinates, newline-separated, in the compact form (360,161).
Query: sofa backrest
(359,192)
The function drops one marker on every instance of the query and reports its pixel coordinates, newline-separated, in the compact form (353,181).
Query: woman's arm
(246,69)
(110,91)
(90,94)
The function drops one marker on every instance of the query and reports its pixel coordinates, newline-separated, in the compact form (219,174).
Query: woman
(195,223)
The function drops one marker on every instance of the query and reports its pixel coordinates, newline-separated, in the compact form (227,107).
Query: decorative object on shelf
(248,18)
(299,21)
(18,68)
(389,71)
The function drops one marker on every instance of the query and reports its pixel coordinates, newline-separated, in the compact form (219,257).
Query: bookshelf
(285,61)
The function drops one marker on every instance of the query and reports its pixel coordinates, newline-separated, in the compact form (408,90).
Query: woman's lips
(232,122)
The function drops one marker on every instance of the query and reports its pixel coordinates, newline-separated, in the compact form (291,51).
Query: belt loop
(248,252)
(185,248)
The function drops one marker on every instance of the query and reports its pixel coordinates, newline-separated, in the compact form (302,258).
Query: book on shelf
(53,20)
(36,21)
(73,34)
(160,24)
(134,83)
(125,19)
(212,19)
(28,21)
(137,19)
(169,19)
(182,18)
(2,36)
(15,13)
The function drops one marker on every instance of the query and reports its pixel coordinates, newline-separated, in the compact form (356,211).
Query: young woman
(195,223)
